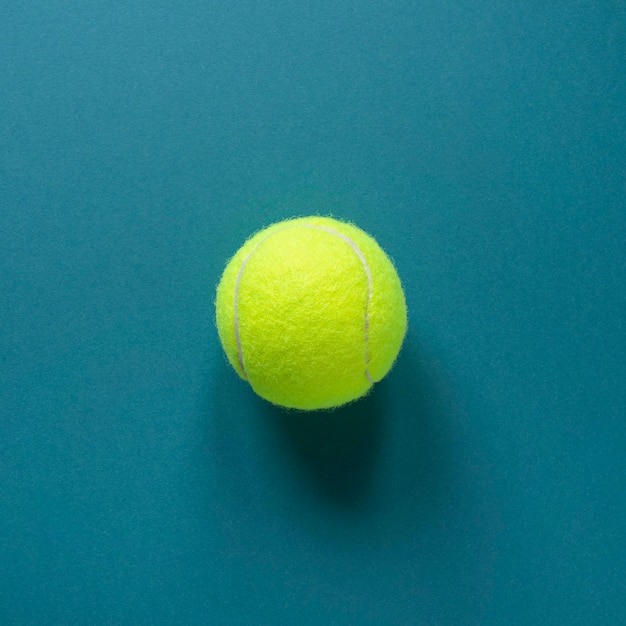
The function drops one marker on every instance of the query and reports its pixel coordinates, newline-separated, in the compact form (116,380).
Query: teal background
(482,143)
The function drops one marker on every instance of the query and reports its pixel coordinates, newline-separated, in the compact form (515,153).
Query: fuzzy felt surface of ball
(311,312)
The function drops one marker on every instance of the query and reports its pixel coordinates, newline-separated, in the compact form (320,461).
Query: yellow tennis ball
(311,312)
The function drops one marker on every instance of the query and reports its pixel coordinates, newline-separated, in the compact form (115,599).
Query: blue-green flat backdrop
(482,143)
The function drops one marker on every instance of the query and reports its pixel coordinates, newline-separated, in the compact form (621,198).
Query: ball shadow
(423,456)
(335,454)
(337,449)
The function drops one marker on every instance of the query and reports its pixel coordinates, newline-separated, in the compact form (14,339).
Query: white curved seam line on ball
(236,301)
(368,273)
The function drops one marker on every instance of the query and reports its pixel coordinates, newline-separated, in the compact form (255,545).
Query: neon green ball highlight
(310,311)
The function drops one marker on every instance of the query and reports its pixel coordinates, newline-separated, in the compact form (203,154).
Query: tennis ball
(311,312)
